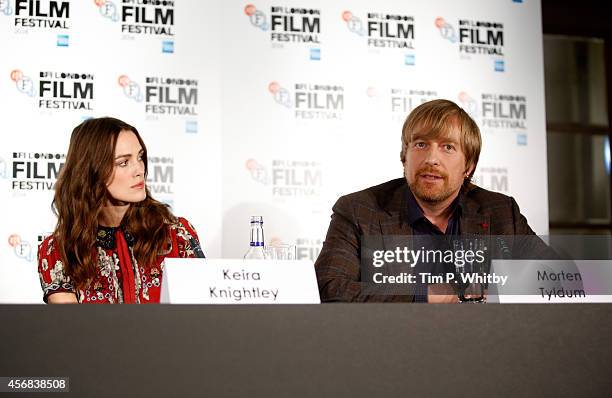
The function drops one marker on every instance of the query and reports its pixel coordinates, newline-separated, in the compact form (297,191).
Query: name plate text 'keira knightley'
(218,281)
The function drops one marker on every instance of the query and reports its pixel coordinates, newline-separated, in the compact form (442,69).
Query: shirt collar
(105,237)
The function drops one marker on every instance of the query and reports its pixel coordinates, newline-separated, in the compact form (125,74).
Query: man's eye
(449,147)
(419,144)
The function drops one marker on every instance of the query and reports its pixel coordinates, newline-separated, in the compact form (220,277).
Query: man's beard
(434,193)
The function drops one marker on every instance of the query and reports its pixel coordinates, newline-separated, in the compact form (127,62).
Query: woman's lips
(140,185)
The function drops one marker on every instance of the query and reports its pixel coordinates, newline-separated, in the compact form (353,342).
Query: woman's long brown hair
(80,194)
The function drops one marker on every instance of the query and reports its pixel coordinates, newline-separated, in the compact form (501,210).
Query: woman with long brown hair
(111,236)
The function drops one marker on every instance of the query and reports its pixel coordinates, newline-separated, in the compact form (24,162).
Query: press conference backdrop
(272,108)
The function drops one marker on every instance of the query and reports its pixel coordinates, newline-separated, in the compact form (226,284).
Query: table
(345,350)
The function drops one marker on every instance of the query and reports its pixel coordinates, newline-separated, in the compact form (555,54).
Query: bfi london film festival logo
(403,101)
(306,248)
(399,102)
(165,96)
(310,101)
(469,104)
(160,178)
(385,31)
(23,249)
(70,91)
(505,113)
(288,178)
(40,16)
(35,171)
(476,38)
(492,178)
(141,18)
(498,113)
(289,25)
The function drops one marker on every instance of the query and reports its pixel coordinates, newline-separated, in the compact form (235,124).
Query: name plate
(233,281)
(551,281)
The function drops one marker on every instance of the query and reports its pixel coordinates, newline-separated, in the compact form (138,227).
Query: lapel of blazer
(392,219)
(472,222)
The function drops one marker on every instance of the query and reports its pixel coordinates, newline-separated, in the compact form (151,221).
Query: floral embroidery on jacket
(107,286)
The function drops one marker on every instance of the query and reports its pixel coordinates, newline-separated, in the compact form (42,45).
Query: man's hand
(441,293)
(444,293)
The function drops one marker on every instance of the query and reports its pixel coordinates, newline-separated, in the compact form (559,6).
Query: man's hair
(437,118)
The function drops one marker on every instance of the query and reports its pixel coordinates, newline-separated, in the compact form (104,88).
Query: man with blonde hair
(440,150)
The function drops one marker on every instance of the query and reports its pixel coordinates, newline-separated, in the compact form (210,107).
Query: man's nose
(431,157)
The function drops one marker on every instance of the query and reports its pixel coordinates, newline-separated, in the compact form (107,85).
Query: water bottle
(256,249)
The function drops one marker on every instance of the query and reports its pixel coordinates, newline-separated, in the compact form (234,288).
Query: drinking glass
(470,292)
